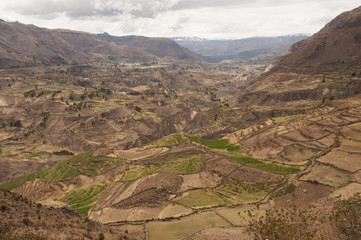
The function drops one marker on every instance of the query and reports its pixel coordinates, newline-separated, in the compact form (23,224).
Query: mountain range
(241,49)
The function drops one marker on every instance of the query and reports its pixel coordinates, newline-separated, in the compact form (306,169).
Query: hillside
(161,47)
(28,45)
(23,219)
(335,47)
(323,67)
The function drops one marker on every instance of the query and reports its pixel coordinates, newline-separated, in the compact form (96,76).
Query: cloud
(46,7)
(88,8)
(192,4)
(214,19)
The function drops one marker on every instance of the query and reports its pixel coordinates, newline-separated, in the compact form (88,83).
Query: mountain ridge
(335,46)
(29,45)
(323,66)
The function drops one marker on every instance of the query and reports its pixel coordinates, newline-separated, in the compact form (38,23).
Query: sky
(211,19)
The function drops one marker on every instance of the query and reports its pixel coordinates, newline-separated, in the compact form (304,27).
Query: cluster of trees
(78,106)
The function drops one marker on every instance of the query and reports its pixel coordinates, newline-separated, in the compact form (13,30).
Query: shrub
(9,232)
(30,93)
(344,222)
(346,214)
(284,225)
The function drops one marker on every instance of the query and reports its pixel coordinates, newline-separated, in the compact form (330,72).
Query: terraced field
(82,200)
(82,164)
(165,142)
(208,185)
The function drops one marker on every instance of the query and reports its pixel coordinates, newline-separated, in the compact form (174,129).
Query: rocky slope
(335,47)
(23,219)
(322,67)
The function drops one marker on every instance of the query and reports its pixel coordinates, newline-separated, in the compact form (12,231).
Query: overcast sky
(212,19)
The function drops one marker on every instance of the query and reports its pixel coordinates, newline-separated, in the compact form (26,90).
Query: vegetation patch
(271,167)
(189,166)
(103,108)
(17,182)
(203,198)
(82,164)
(180,166)
(31,156)
(343,222)
(131,175)
(217,144)
(57,172)
(290,189)
(8,231)
(238,192)
(83,200)
(292,224)
(63,153)
(347,216)
(165,142)
(286,118)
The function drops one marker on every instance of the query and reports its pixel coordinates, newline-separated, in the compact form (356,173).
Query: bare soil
(304,195)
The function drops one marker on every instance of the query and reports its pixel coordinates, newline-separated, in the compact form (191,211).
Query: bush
(16,123)
(30,93)
(344,222)
(63,153)
(8,232)
(291,224)
(346,214)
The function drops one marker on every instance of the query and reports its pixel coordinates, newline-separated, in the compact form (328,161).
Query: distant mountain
(193,39)
(242,49)
(28,45)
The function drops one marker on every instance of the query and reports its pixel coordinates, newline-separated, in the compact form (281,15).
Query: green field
(271,167)
(239,193)
(286,118)
(217,144)
(31,156)
(180,166)
(203,198)
(165,142)
(82,164)
(227,194)
(83,200)
(17,182)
